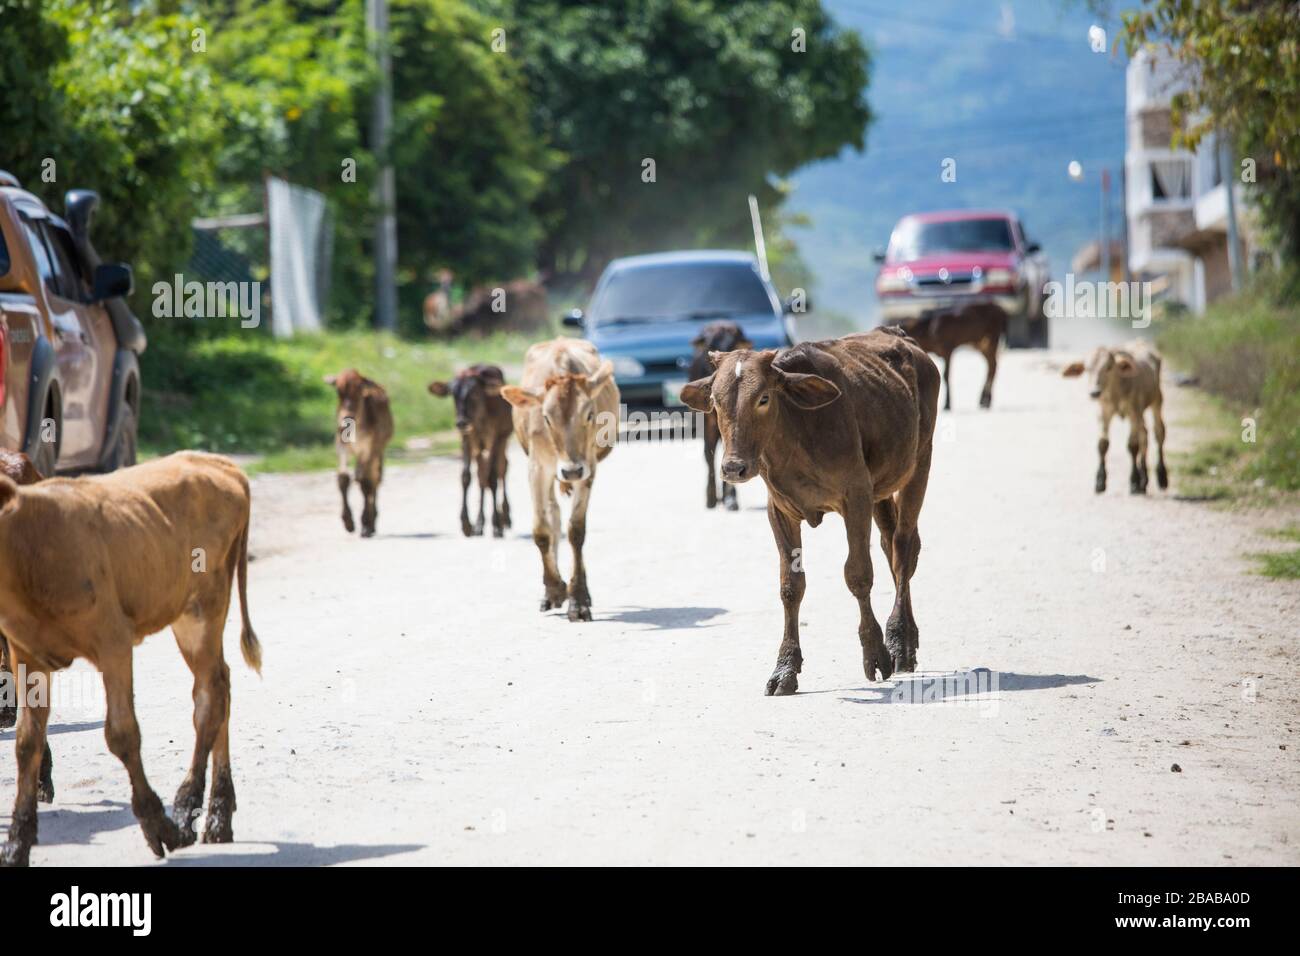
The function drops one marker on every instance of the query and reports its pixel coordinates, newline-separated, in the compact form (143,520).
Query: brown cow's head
(750,395)
(569,417)
(721,337)
(473,390)
(1104,366)
(351,386)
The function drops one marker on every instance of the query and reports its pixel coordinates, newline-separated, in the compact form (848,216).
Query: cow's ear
(520,397)
(698,395)
(1073,370)
(9,498)
(329,379)
(1125,366)
(808,391)
(601,377)
(441,389)
(717,357)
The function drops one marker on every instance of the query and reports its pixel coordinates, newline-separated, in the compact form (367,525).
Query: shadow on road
(954,686)
(666,618)
(54,730)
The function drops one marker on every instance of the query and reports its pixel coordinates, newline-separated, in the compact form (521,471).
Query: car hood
(673,339)
(962,261)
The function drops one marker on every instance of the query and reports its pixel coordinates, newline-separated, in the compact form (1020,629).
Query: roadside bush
(1246,348)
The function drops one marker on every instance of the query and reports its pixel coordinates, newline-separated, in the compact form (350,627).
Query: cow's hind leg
(30,747)
(1158,426)
(369,476)
(483,468)
(199,638)
(546,534)
(496,477)
(859,576)
(947,385)
(8,689)
(344,481)
(711,436)
(1137,449)
(503,465)
(466,476)
(989,347)
(123,736)
(1103,446)
(902,636)
(789,545)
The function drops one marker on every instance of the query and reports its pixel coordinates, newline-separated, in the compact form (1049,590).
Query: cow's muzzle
(463,424)
(573,471)
(736,471)
(1095,393)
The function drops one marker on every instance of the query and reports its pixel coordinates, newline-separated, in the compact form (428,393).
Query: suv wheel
(124,452)
(46,454)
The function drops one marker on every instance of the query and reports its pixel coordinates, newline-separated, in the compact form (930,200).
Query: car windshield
(915,239)
(710,290)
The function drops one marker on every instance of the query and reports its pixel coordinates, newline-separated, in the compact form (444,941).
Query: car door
(74,356)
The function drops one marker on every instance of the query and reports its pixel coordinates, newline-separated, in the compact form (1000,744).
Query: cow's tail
(248,642)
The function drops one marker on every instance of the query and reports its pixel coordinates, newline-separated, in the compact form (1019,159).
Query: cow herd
(91,566)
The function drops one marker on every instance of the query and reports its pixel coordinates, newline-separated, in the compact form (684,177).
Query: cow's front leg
(368,478)
(711,436)
(8,689)
(344,481)
(947,386)
(990,350)
(789,545)
(858,574)
(30,747)
(546,532)
(466,458)
(1137,434)
(1158,426)
(484,480)
(1103,446)
(579,596)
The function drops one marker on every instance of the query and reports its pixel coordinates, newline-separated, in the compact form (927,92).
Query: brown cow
(1127,382)
(516,304)
(19,468)
(566,419)
(123,556)
(716,337)
(845,425)
(364,427)
(484,422)
(942,332)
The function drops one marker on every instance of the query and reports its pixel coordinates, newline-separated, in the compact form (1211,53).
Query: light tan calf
(363,429)
(566,418)
(90,567)
(1127,382)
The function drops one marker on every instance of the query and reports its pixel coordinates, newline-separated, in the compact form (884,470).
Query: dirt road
(417,708)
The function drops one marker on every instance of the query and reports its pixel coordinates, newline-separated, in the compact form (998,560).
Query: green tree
(1244,75)
(723,97)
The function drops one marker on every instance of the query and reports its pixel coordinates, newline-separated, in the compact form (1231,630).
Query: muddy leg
(789,657)
(902,636)
(990,350)
(1103,445)
(503,464)
(33,715)
(1137,477)
(859,576)
(369,476)
(710,448)
(466,460)
(123,736)
(484,468)
(947,387)
(344,481)
(579,596)
(200,645)
(546,533)
(1158,423)
(8,689)
(495,469)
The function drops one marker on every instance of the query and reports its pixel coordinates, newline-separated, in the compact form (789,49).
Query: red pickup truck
(951,259)
(69,373)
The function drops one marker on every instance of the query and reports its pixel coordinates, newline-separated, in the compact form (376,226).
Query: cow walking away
(363,429)
(942,332)
(845,425)
(123,556)
(715,337)
(484,421)
(566,419)
(19,469)
(1126,382)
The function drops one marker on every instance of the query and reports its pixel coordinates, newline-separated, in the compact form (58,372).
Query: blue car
(647,310)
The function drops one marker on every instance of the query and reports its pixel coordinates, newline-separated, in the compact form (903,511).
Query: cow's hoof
(8,717)
(579,611)
(884,663)
(554,600)
(348,525)
(15,854)
(498,531)
(1162,477)
(1101,484)
(733,504)
(162,835)
(986,401)
(45,791)
(467,529)
(783,682)
(219,828)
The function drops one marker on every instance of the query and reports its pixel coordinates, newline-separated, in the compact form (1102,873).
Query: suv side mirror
(574,319)
(112,281)
(878,254)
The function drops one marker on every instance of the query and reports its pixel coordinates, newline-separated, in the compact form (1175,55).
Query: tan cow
(123,556)
(566,419)
(845,425)
(363,429)
(1127,382)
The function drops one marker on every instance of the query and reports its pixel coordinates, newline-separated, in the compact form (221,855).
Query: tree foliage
(1244,75)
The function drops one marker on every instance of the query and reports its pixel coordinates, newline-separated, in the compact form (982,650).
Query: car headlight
(896,281)
(627,367)
(1001,277)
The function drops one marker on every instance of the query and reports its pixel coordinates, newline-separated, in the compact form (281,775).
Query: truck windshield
(915,239)
(711,290)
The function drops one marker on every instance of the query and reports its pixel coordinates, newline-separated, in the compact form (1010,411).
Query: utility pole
(1229,177)
(1104,248)
(385,193)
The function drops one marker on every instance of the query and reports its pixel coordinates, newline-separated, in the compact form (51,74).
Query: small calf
(942,332)
(364,427)
(484,421)
(90,567)
(715,337)
(1127,382)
